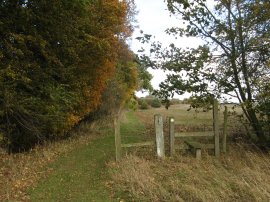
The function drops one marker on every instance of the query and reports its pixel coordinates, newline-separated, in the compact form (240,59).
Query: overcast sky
(154,18)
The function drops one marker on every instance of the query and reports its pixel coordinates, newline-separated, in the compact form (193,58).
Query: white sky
(154,18)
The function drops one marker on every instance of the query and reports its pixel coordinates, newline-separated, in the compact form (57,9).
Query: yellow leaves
(73,120)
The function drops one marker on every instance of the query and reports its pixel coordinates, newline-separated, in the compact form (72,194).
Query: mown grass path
(81,175)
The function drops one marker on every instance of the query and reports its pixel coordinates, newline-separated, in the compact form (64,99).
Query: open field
(184,116)
(191,120)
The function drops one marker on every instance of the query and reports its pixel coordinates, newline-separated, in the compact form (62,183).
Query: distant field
(191,119)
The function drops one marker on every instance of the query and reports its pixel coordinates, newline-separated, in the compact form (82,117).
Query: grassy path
(81,174)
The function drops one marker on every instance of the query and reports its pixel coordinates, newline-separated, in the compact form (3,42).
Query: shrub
(144,105)
(175,101)
(133,104)
(156,103)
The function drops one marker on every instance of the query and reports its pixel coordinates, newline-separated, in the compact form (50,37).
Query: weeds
(242,175)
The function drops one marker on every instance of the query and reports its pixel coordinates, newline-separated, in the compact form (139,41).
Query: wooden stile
(188,136)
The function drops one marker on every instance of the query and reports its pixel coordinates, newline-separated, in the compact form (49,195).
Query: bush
(133,104)
(175,101)
(156,103)
(144,105)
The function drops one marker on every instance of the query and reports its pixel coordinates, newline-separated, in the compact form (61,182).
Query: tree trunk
(262,140)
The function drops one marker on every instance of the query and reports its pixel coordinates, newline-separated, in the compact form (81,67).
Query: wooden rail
(139,144)
(195,134)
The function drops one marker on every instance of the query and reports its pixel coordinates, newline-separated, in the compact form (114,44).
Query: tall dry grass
(242,175)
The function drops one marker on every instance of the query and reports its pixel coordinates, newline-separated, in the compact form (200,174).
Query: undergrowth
(242,175)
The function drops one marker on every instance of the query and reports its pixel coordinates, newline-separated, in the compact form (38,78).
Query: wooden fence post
(159,136)
(172,138)
(224,140)
(216,128)
(117,137)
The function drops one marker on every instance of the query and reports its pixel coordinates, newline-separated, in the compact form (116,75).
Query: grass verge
(72,169)
(241,176)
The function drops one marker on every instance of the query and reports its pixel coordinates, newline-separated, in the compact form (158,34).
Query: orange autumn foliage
(56,64)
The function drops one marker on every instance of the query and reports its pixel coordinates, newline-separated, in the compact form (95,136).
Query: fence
(188,137)
(159,140)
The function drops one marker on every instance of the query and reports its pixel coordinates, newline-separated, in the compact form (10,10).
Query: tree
(121,86)
(233,59)
(56,58)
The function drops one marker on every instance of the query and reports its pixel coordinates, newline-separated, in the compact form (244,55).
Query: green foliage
(263,105)
(144,77)
(133,104)
(232,62)
(204,103)
(56,60)
(143,105)
(156,103)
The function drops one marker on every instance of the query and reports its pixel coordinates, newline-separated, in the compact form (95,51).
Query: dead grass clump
(242,175)
(134,175)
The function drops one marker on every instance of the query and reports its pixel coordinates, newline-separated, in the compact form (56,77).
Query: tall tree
(233,59)
(55,60)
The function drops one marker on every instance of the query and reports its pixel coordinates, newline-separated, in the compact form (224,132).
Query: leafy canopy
(234,60)
(55,60)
